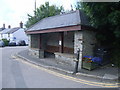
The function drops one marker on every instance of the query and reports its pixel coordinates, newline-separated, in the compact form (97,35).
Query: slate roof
(62,20)
(1,29)
(10,30)
(13,30)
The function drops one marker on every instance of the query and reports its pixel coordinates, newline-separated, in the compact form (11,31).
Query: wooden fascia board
(60,29)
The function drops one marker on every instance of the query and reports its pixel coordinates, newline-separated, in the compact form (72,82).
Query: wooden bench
(53,49)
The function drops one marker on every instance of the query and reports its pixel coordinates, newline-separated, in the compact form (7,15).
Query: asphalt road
(20,74)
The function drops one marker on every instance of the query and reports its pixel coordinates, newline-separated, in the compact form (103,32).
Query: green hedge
(5,41)
(116,57)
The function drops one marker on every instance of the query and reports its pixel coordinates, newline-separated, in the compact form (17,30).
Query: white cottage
(14,34)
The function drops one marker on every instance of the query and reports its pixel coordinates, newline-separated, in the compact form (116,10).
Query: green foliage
(42,12)
(78,6)
(105,17)
(5,41)
(116,53)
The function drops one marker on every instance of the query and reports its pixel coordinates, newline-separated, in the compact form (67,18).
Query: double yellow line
(115,85)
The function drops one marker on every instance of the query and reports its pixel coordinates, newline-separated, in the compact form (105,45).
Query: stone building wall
(84,40)
(34,52)
(78,39)
(89,42)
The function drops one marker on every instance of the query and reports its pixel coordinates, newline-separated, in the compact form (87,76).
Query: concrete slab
(109,76)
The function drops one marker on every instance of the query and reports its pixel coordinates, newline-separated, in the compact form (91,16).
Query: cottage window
(8,34)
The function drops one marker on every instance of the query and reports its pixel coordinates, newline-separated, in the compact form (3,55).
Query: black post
(77,61)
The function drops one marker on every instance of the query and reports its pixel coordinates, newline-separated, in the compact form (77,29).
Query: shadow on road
(17,74)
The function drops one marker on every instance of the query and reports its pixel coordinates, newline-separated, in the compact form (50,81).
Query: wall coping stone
(66,55)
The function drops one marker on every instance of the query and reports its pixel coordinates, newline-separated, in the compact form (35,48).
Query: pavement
(106,72)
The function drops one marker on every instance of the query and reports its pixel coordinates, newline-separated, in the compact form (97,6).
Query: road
(20,74)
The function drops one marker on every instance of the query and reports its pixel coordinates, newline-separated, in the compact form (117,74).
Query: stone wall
(36,53)
(78,44)
(78,38)
(65,58)
(84,40)
(89,42)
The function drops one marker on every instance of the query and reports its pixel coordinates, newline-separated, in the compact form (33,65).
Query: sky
(12,12)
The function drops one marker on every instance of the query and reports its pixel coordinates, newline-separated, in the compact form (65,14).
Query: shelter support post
(39,40)
(41,52)
(61,42)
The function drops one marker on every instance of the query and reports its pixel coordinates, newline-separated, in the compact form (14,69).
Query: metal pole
(77,62)
(35,8)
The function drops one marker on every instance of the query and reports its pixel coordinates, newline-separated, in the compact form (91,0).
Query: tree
(105,17)
(42,12)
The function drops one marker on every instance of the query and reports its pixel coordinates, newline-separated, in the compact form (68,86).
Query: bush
(5,41)
(116,57)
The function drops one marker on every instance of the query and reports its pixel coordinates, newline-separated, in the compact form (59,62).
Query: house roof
(4,31)
(1,29)
(63,20)
(10,30)
(13,30)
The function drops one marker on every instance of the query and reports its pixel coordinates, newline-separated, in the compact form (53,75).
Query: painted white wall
(1,36)
(20,35)
(7,36)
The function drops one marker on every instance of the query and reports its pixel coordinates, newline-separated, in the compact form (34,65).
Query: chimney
(3,26)
(71,8)
(21,24)
(9,26)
